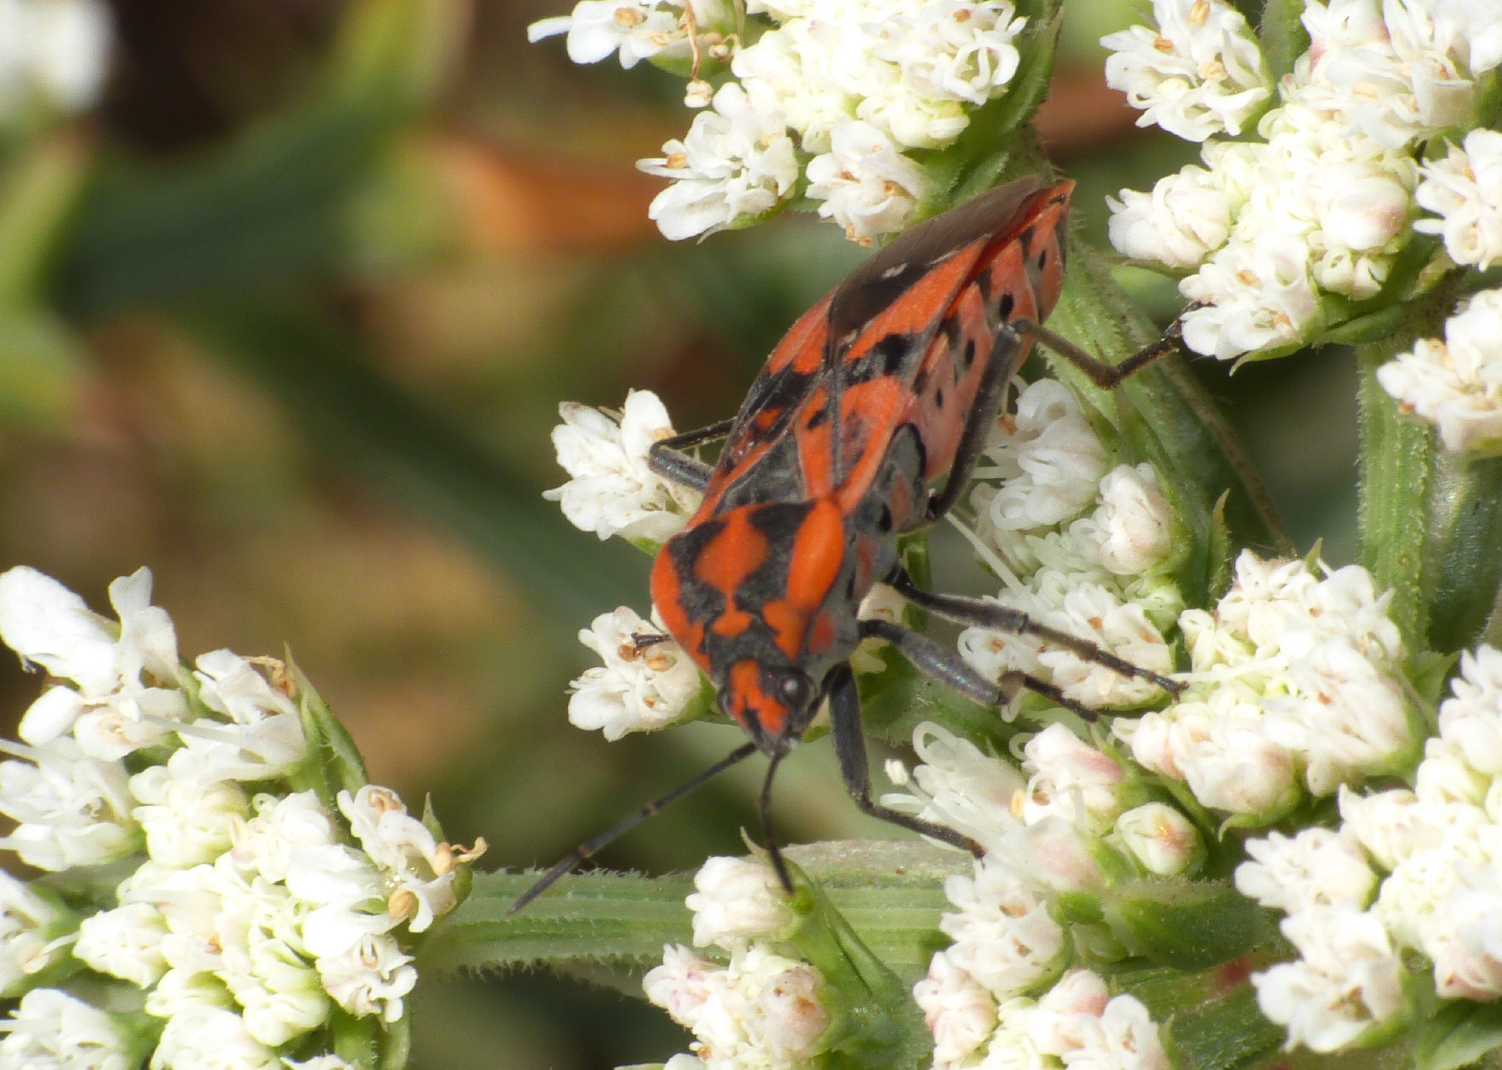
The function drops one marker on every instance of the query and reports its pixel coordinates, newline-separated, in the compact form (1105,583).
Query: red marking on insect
(887,385)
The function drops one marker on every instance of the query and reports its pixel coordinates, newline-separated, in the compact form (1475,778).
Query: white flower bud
(1052,461)
(210,1036)
(1136,523)
(1316,868)
(371,978)
(1464,189)
(736,901)
(1162,840)
(1185,218)
(1003,935)
(960,1012)
(50,1028)
(125,942)
(186,820)
(1069,778)
(1348,981)
(31,925)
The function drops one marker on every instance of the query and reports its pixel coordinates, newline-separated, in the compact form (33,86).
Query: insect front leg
(666,459)
(945,666)
(850,747)
(983,614)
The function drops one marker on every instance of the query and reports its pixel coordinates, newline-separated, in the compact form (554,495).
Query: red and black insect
(864,425)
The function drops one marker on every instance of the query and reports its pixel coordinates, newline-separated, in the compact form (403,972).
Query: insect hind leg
(983,614)
(1104,375)
(850,747)
(666,459)
(942,664)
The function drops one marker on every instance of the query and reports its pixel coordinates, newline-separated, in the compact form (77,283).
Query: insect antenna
(774,853)
(588,848)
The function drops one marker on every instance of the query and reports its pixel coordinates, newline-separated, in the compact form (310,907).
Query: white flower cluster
(611,489)
(761,1009)
(1297,686)
(53,53)
(829,99)
(246,919)
(1322,204)
(1456,384)
(1076,1023)
(1409,870)
(1048,817)
(1097,574)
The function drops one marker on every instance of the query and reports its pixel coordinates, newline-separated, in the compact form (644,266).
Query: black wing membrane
(882,280)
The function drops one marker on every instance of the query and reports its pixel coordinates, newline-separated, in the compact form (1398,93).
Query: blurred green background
(288,316)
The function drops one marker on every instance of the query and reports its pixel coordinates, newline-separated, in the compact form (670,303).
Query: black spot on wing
(1004,309)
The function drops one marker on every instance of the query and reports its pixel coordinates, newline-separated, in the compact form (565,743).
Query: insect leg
(666,460)
(1106,376)
(586,850)
(984,614)
(1000,366)
(774,852)
(850,746)
(931,659)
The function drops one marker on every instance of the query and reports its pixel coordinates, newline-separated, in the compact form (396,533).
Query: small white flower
(1395,825)
(1316,868)
(233,686)
(422,869)
(1257,295)
(958,786)
(1161,839)
(960,1012)
(1071,779)
(49,625)
(187,819)
(612,490)
(736,901)
(53,1029)
(1221,749)
(953,49)
(125,942)
(1185,218)
(1198,73)
(319,1062)
(1135,521)
(864,183)
(197,1037)
(1051,461)
(638,29)
(635,690)
(1472,718)
(1456,384)
(33,931)
(283,829)
(1003,935)
(1066,1019)
(735,164)
(760,1010)
(371,978)
(1085,609)
(1348,981)
(1444,776)
(73,810)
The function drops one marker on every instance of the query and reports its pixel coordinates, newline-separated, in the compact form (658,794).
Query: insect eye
(797,690)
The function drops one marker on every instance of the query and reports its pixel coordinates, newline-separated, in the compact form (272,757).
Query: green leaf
(1460,1034)
(1189,925)
(891,893)
(333,763)
(876,1025)
(1283,36)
